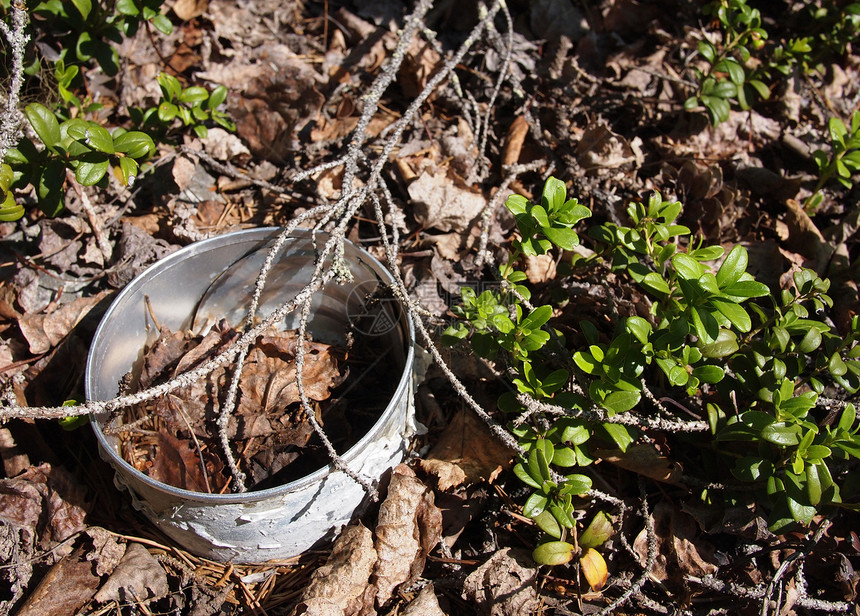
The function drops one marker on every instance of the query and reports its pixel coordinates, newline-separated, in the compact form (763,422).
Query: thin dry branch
(18,39)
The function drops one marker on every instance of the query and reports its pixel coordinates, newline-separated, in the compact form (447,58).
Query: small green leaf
(98,138)
(45,123)
(218,96)
(535,504)
(733,267)
(163,24)
(577,484)
(135,144)
(640,328)
(747,288)
(780,433)
(726,344)
(810,341)
(709,373)
(537,317)
(193,94)
(564,457)
(846,419)
(813,484)
(734,313)
(619,434)
(84,7)
(621,401)
(687,267)
(88,173)
(520,471)
(563,237)
(706,326)
(836,365)
(655,282)
(127,7)
(553,553)
(598,531)
(548,524)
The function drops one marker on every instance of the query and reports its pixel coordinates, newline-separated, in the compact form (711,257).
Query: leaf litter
(594,95)
(175,439)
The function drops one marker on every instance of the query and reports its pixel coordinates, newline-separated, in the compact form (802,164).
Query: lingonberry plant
(754,361)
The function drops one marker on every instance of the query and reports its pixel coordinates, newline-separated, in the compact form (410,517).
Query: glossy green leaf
(687,267)
(577,484)
(706,326)
(621,401)
(135,144)
(163,24)
(84,7)
(522,474)
(98,138)
(45,123)
(127,7)
(548,524)
(733,267)
(846,419)
(562,237)
(747,288)
(598,531)
(726,344)
(655,282)
(709,373)
(640,328)
(564,457)
(810,341)
(537,317)
(128,169)
(781,434)
(535,504)
(735,313)
(90,172)
(619,434)
(553,553)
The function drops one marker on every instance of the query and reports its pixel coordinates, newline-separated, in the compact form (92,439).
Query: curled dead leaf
(341,586)
(408,527)
(680,551)
(466,453)
(137,577)
(45,331)
(644,460)
(505,585)
(425,604)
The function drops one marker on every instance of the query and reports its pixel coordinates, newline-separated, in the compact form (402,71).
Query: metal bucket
(214,278)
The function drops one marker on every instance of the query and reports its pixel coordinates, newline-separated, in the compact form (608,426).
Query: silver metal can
(214,279)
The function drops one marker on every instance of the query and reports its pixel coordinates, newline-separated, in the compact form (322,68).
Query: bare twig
(18,39)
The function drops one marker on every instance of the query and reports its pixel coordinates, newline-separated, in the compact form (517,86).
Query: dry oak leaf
(45,331)
(107,552)
(425,604)
(505,585)
(66,588)
(466,453)
(442,203)
(644,460)
(680,552)
(36,501)
(341,587)
(137,577)
(409,525)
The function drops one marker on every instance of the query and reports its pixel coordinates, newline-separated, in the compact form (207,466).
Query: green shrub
(755,361)
(84,147)
(193,106)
